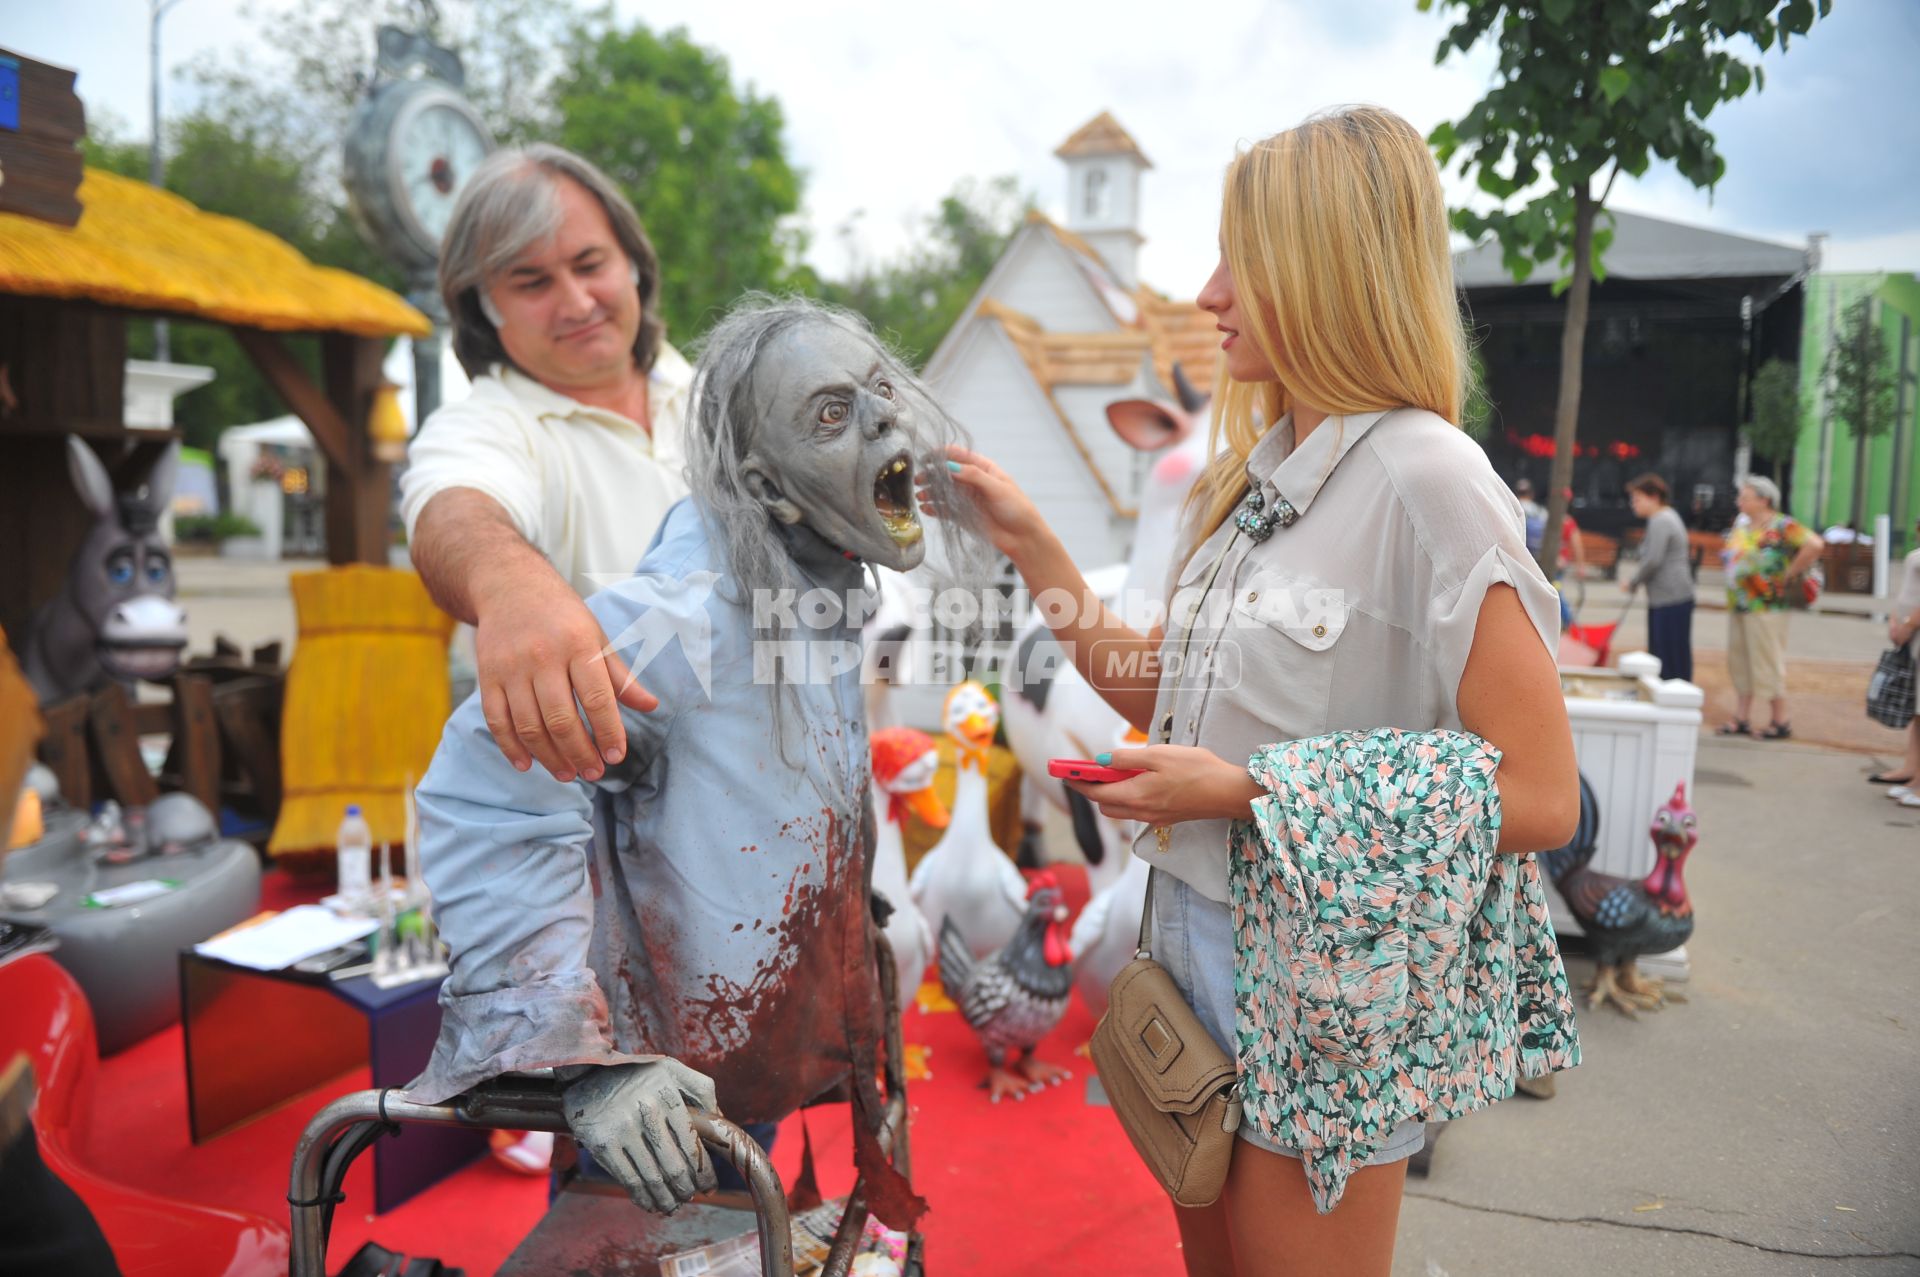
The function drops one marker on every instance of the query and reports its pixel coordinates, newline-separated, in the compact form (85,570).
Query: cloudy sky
(888,105)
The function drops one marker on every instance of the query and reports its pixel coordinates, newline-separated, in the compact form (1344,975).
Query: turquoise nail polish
(1103,759)
(953,465)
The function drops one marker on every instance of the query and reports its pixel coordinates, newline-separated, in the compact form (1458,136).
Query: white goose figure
(904,763)
(1106,935)
(966,876)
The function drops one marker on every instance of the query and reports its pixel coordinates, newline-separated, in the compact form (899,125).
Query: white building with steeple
(1061,327)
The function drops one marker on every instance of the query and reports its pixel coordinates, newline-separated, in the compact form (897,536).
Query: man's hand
(539,650)
(633,1118)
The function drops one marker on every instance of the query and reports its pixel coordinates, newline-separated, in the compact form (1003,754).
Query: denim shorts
(1193,940)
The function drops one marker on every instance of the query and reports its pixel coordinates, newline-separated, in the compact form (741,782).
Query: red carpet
(1046,1185)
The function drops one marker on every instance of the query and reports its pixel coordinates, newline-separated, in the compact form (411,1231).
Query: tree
(1775,429)
(1586,90)
(914,301)
(1860,390)
(704,164)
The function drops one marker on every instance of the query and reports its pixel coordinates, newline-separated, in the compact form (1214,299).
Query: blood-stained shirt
(706,899)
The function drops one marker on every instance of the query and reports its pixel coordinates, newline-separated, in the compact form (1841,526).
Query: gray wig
(720,436)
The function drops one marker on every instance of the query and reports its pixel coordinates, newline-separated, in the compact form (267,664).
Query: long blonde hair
(1335,232)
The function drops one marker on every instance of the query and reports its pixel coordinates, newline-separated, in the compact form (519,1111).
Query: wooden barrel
(366,699)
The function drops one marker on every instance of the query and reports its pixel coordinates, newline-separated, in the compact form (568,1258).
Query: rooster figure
(1623,919)
(1014,997)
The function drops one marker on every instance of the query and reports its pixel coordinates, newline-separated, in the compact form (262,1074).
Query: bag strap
(1145,949)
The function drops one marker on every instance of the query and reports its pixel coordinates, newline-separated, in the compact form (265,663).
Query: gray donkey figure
(116,620)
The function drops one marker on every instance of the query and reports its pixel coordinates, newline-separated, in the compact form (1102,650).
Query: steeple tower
(1104,166)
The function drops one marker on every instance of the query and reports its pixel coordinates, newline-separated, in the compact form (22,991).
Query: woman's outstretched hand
(1009,517)
(1176,783)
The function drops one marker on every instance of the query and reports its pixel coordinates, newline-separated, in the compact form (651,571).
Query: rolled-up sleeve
(507,856)
(478,444)
(1472,529)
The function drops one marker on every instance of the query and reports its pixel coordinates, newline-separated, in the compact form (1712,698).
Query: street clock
(412,144)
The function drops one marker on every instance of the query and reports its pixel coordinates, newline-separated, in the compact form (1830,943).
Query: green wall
(1825,457)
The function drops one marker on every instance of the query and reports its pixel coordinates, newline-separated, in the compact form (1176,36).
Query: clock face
(435,149)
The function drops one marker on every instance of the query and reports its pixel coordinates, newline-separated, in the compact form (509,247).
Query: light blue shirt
(706,899)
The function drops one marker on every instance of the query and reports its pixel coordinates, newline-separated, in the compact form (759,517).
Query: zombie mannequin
(695,926)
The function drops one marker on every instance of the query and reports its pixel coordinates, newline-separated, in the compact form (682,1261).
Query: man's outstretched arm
(549,692)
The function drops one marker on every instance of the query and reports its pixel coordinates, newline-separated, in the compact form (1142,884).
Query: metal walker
(348,1126)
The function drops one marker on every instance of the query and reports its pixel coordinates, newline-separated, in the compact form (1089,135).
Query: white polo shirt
(586,487)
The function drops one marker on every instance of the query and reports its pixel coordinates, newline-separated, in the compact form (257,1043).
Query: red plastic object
(1597,637)
(151,1236)
(1087,770)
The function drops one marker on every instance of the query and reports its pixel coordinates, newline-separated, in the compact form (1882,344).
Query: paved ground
(1771,1125)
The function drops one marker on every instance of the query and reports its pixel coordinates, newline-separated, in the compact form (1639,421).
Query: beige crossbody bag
(1170,1084)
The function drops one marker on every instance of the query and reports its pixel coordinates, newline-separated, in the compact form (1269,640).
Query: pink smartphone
(1084,769)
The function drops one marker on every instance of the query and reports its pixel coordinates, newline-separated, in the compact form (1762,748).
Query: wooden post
(64,749)
(196,736)
(359,485)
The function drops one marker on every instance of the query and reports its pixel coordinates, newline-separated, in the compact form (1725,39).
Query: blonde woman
(1356,564)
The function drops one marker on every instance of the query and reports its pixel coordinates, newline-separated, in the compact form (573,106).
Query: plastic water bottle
(355,841)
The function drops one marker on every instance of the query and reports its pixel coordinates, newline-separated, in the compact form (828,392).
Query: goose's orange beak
(926,804)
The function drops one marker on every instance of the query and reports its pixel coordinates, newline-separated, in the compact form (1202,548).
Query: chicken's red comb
(1041,881)
(895,747)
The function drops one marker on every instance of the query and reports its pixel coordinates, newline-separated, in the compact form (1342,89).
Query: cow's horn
(1190,399)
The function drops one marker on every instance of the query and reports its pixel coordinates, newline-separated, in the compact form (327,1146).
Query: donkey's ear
(90,479)
(157,492)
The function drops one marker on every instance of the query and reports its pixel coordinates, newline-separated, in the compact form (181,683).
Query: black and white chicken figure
(1013,997)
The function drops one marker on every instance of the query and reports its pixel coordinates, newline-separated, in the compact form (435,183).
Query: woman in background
(1768,556)
(1665,575)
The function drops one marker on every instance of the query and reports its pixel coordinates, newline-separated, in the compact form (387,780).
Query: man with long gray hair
(695,926)
(553,475)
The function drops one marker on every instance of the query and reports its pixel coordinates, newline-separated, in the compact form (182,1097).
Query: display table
(256,1039)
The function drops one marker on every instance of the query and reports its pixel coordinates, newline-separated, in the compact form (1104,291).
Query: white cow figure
(1062,716)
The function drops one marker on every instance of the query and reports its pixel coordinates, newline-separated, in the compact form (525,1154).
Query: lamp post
(162,346)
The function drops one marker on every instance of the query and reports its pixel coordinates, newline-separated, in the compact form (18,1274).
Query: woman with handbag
(1352,562)
(1903,631)
(1769,558)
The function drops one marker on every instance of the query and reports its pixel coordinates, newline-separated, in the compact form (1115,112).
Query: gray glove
(633,1118)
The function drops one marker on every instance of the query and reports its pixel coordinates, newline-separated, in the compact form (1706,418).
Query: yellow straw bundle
(365,702)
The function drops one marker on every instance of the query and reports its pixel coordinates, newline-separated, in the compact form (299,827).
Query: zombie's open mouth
(893,499)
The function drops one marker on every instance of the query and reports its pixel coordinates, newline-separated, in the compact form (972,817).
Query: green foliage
(1476,409)
(1860,389)
(1595,87)
(214,527)
(1590,89)
(914,301)
(704,164)
(1859,374)
(1775,428)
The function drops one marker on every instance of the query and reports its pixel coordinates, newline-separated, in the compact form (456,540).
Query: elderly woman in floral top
(1768,558)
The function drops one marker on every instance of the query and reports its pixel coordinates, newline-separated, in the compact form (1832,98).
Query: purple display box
(256,1040)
